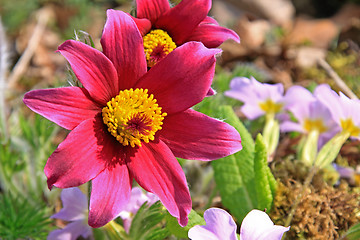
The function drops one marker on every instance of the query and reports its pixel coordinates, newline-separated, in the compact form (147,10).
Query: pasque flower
(130,123)
(164,28)
(220,226)
(75,210)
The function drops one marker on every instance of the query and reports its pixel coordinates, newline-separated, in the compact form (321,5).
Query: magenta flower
(219,225)
(165,28)
(75,210)
(129,123)
(258,98)
(137,199)
(258,226)
(344,111)
(310,113)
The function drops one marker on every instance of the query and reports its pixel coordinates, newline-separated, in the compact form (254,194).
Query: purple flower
(75,211)
(137,199)
(258,98)
(310,113)
(258,226)
(345,111)
(220,226)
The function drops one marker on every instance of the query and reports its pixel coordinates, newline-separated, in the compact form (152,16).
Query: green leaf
(182,232)
(353,233)
(235,173)
(21,220)
(331,149)
(148,223)
(245,179)
(263,189)
(272,182)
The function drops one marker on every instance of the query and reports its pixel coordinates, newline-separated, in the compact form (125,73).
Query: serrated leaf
(272,182)
(235,173)
(182,232)
(353,233)
(263,189)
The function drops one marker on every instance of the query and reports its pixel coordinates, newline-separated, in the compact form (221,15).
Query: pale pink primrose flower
(75,211)
(220,226)
(257,225)
(345,111)
(137,199)
(258,98)
(310,113)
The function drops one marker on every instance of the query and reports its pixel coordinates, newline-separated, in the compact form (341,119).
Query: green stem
(309,150)
(114,231)
(271,134)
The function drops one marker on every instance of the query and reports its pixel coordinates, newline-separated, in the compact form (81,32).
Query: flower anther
(157,44)
(133,116)
(315,124)
(269,106)
(348,126)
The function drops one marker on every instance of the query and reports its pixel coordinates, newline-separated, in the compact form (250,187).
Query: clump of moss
(322,213)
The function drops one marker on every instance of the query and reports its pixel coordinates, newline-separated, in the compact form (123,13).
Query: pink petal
(67,106)
(212,36)
(257,225)
(193,135)
(85,152)
(123,45)
(109,195)
(143,24)
(209,20)
(182,19)
(175,82)
(156,169)
(219,225)
(93,69)
(151,9)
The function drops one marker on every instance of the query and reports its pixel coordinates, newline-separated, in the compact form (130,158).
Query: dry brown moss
(323,213)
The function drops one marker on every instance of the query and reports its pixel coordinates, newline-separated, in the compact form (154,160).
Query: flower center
(269,106)
(133,116)
(315,124)
(157,44)
(349,126)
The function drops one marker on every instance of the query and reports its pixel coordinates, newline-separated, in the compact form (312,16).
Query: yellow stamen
(133,116)
(157,44)
(348,126)
(314,124)
(270,106)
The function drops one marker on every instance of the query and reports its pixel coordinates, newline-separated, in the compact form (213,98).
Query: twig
(339,82)
(23,62)
(4,60)
(298,198)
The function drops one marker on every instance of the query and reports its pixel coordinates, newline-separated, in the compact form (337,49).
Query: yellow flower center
(133,116)
(269,106)
(157,44)
(315,124)
(348,126)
